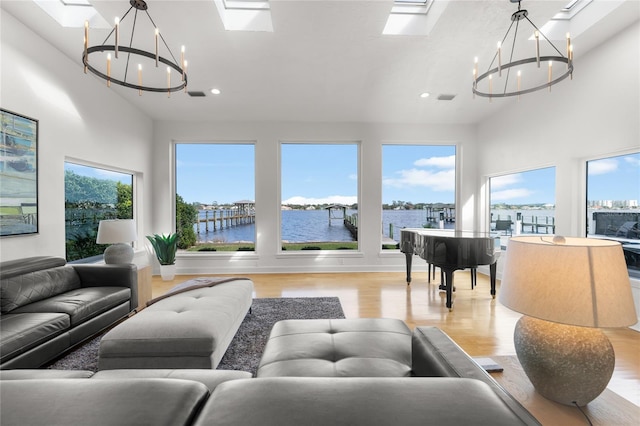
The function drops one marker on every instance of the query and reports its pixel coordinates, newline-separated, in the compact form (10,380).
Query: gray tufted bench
(371,347)
(191,329)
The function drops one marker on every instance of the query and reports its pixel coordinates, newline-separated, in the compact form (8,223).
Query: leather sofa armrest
(435,354)
(125,275)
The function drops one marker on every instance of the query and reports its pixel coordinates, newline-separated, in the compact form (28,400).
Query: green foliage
(124,206)
(165,247)
(186,215)
(82,244)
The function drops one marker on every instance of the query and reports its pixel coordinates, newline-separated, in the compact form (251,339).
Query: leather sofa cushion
(155,402)
(12,268)
(186,330)
(43,373)
(210,378)
(20,332)
(366,401)
(31,287)
(341,347)
(81,304)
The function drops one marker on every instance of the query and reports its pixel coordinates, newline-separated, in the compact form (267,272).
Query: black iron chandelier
(497,81)
(148,75)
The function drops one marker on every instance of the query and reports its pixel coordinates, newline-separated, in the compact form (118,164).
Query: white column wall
(267,137)
(79,119)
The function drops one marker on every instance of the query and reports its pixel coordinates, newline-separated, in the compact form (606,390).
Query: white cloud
(510,194)
(602,167)
(439,181)
(634,161)
(441,162)
(331,199)
(504,181)
(353,176)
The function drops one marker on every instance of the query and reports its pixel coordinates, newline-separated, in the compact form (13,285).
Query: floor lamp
(567,289)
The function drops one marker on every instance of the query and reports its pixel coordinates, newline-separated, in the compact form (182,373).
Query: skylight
(245,15)
(414,17)
(576,17)
(73,13)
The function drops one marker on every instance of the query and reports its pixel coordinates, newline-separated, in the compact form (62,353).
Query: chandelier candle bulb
(550,74)
(109,70)
(86,45)
(117,29)
(475,68)
(168,82)
(537,35)
(500,59)
(568,47)
(157,54)
(184,72)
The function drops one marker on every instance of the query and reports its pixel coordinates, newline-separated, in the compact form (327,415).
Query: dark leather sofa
(48,306)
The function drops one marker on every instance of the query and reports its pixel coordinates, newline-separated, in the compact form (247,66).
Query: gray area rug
(245,349)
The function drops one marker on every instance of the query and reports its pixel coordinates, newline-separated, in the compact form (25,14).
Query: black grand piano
(450,250)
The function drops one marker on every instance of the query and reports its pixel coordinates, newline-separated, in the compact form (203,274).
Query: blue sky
(327,173)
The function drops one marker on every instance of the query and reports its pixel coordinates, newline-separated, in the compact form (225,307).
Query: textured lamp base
(567,364)
(118,253)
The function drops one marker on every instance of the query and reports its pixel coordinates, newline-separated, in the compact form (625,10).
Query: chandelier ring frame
(558,79)
(134,51)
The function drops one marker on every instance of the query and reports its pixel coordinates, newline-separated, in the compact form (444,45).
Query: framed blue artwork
(18,174)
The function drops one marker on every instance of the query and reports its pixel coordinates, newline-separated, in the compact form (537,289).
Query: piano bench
(362,347)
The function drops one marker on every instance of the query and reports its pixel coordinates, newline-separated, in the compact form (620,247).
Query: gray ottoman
(366,347)
(187,330)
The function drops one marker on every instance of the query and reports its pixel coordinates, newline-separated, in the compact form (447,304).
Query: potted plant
(165,247)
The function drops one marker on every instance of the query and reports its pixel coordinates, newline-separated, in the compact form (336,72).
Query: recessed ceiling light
(215,91)
(424,95)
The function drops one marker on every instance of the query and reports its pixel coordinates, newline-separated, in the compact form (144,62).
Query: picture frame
(18,174)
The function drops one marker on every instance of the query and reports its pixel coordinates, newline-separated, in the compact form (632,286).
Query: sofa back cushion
(20,290)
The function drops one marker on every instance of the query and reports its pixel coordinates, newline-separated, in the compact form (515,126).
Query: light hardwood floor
(478,323)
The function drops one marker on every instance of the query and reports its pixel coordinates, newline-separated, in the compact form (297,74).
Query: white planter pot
(168,272)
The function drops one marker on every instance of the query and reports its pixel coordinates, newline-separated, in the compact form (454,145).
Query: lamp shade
(576,281)
(116,231)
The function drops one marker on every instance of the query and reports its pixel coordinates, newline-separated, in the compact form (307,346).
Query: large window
(91,195)
(418,189)
(524,202)
(613,191)
(215,196)
(319,196)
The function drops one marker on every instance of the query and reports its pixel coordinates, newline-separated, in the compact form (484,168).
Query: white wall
(79,119)
(267,137)
(595,115)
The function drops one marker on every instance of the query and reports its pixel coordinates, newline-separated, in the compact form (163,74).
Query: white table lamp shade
(116,231)
(579,281)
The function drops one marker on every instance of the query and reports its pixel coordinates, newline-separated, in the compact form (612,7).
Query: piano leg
(492,271)
(448,275)
(474,277)
(409,257)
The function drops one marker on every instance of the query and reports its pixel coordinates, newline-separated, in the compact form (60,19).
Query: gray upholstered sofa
(47,306)
(458,392)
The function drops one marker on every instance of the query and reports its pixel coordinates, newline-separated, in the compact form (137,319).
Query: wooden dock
(351,223)
(243,213)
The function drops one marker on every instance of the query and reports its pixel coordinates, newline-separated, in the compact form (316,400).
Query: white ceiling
(326,60)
